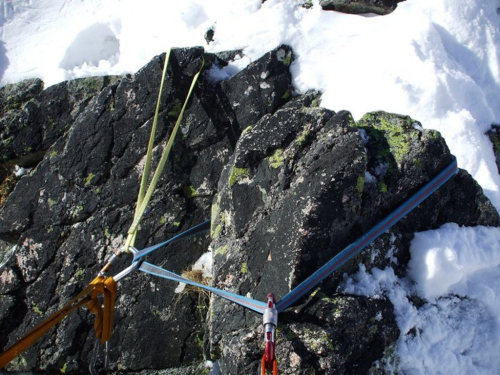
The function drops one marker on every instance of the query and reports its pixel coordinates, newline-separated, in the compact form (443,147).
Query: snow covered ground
(435,60)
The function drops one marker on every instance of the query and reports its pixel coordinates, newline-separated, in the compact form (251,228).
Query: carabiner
(114,259)
(270,322)
(133,267)
(95,355)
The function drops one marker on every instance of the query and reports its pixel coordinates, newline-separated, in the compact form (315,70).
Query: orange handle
(103,324)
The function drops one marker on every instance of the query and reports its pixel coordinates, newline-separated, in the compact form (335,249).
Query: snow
(457,271)
(444,259)
(435,60)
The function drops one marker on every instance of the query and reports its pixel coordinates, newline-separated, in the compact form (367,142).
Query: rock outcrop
(494,136)
(381,7)
(287,183)
(301,185)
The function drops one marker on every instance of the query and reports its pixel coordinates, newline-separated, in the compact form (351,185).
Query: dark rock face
(381,7)
(288,185)
(76,205)
(301,185)
(265,87)
(32,119)
(494,135)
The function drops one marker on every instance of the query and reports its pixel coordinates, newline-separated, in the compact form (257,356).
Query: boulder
(32,119)
(494,135)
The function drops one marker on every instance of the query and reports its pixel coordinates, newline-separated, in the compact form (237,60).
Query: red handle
(274,366)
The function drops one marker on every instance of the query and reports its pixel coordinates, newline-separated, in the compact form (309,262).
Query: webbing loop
(249,303)
(197,229)
(107,286)
(103,324)
(145,194)
(271,309)
(147,166)
(329,267)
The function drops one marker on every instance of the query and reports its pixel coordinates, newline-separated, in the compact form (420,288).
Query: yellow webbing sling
(106,286)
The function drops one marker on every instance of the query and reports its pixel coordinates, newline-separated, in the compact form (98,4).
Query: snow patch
(444,258)
(94,46)
(457,330)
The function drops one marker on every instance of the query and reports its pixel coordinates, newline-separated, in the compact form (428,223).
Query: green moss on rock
(396,130)
(303,137)
(238,174)
(176,109)
(277,159)
(189,191)
(88,180)
(221,250)
(244,268)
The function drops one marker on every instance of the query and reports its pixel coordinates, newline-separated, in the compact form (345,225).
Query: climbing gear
(270,322)
(106,286)
(197,229)
(249,303)
(132,232)
(132,268)
(324,271)
(145,195)
(102,286)
(95,356)
(102,325)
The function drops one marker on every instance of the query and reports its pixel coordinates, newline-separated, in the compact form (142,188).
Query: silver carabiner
(132,268)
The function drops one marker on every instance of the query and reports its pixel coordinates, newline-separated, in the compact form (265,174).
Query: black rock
(262,88)
(381,7)
(288,185)
(494,135)
(301,185)
(209,35)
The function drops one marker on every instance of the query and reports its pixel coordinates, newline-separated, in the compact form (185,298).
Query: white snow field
(435,60)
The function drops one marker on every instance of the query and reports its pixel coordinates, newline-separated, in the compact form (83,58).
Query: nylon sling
(145,195)
(333,264)
(107,287)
